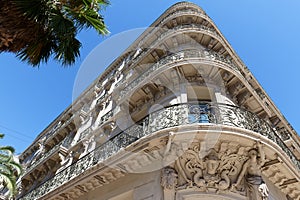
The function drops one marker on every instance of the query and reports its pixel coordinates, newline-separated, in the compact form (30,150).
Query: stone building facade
(177,116)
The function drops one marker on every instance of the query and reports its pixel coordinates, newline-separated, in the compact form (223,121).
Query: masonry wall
(144,186)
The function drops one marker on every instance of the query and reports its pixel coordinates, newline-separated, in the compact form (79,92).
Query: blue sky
(265,34)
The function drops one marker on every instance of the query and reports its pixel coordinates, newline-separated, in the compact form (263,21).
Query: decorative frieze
(256,189)
(220,170)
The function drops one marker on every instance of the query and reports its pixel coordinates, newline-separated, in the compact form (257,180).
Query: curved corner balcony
(180,115)
(189,56)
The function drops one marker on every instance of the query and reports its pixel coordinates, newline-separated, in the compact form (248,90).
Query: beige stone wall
(275,193)
(130,187)
(147,186)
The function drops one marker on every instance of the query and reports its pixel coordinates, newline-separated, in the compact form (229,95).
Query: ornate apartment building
(176,116)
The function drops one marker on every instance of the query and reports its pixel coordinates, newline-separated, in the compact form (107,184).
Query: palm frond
(9,181)
(86,15)
(35,10)
(10,170)
(8,149)
(67,50)
(6,153)
(45,27)
(4,168)
(15,166)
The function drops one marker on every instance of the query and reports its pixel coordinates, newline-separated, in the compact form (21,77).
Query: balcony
(185,55)
(42,159)
(180,115)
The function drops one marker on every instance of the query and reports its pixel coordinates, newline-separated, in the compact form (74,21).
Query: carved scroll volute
(214,172)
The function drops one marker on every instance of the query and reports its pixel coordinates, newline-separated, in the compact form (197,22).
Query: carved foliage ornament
(217,171)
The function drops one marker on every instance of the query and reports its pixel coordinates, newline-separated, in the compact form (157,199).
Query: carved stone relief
(66,160)
(256,189)
(169,178)
(225,168)
(38,153)
(88,145)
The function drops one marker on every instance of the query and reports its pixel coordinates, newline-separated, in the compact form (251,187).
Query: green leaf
(10,170)
(57,24)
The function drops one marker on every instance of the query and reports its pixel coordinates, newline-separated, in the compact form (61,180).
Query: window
(200,113)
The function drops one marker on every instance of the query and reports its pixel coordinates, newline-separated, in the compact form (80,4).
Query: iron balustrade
(208,55)
(183,28)
(42,157)
(172,116)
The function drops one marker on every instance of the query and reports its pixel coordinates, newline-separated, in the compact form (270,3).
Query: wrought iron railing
(169,17)
(41,158)
(173,116)
(103,119)
(53,132)
(183,13)
(65,143)
(168,33)
(175,57)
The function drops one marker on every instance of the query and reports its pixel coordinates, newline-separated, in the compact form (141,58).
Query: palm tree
(36,30)
(10,170)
